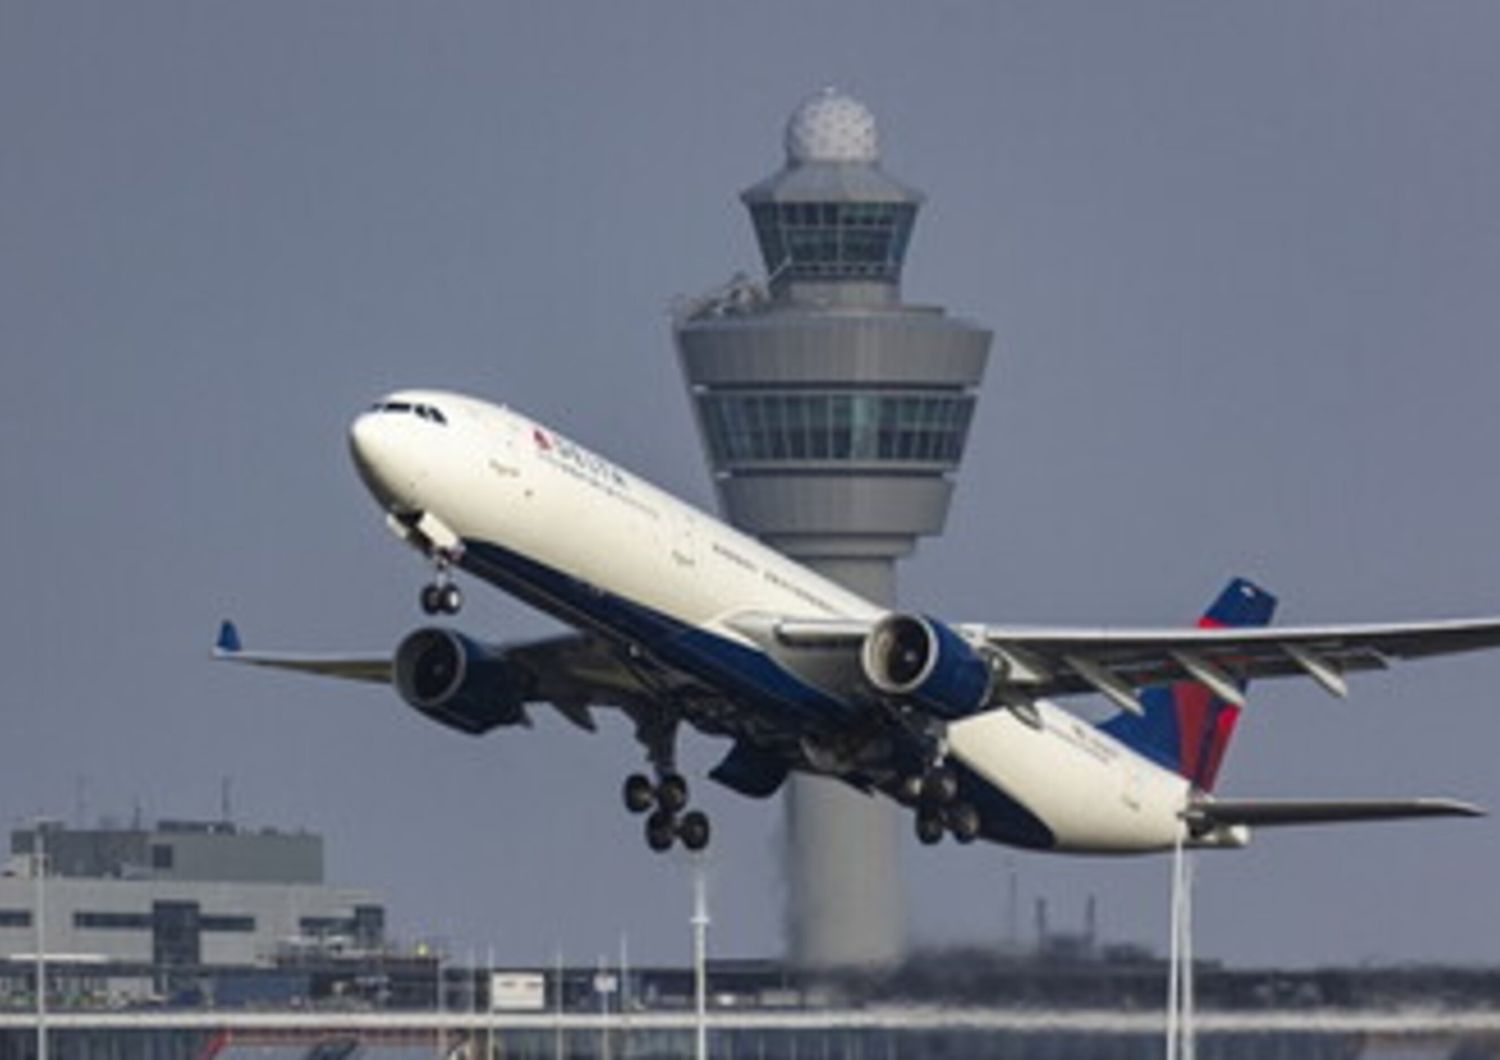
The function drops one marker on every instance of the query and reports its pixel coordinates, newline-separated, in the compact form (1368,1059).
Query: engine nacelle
(459,682)
(922,660)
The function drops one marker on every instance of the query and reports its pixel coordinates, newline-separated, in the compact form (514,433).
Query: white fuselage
(571,532)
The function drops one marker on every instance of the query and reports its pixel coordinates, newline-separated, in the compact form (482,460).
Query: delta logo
(580,459)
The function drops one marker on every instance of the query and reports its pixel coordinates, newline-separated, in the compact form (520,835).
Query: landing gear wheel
(661,831)
(693,830)
(639,795)
(940,786)
(672,792)
(963,821)
(929,828)
(909,789)
(442,598)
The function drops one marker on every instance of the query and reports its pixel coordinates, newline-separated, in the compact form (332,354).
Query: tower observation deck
(834,417)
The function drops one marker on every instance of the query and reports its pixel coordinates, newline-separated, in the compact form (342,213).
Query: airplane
(679,619)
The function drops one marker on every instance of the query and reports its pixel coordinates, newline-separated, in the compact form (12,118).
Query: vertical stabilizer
(1184,726)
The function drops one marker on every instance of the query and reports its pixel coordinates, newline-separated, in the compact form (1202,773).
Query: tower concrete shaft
(833,416)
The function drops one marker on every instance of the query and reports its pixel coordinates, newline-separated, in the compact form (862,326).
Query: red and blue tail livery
(1184,726)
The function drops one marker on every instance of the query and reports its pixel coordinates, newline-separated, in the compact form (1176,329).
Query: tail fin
(1184,726)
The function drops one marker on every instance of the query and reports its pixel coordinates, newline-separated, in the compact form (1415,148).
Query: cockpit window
(426,412)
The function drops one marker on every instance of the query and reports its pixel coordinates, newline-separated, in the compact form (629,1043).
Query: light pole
(602,988)
(700,957)
(39,872)
(442,983)
(624,1001)
(557,1005)
(489,1000)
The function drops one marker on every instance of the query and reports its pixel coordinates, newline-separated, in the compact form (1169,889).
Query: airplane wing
(372,668)
(1063,662)
(1047,662)
(572,671)
(1263,813)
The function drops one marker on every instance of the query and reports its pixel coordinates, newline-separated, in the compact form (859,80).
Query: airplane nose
(364,441)
(370,446)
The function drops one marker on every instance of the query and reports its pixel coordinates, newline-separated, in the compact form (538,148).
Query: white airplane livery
(680,619)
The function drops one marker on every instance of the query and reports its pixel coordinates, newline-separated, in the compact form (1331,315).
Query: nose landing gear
(428,535)
(441,596)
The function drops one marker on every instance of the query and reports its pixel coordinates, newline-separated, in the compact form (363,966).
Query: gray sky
(1241,261)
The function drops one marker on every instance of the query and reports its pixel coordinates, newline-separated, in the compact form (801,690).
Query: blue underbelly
(743,674)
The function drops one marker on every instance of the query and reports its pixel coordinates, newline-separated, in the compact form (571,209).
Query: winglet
(229,639)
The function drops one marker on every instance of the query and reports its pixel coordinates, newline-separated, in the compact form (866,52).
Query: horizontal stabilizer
(1263,813)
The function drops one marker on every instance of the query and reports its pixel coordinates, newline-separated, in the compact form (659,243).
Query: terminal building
(158,904)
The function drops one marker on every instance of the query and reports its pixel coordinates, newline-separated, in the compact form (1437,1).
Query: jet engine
(459,682)
(922,660)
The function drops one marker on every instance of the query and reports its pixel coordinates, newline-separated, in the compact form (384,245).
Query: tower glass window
(869,426)
(833,240)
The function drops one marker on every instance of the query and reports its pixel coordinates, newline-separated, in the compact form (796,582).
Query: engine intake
(924,661)
(459,682)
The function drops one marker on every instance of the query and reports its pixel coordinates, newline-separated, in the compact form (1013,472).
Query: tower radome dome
(831,126)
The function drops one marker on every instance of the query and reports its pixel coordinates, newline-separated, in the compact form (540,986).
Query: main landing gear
(664,803)
(442,596)
(934,792)
(939,810)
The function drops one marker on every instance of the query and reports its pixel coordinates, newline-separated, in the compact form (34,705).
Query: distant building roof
(210,851)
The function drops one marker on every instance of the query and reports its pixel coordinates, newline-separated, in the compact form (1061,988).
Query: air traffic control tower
(834,417)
